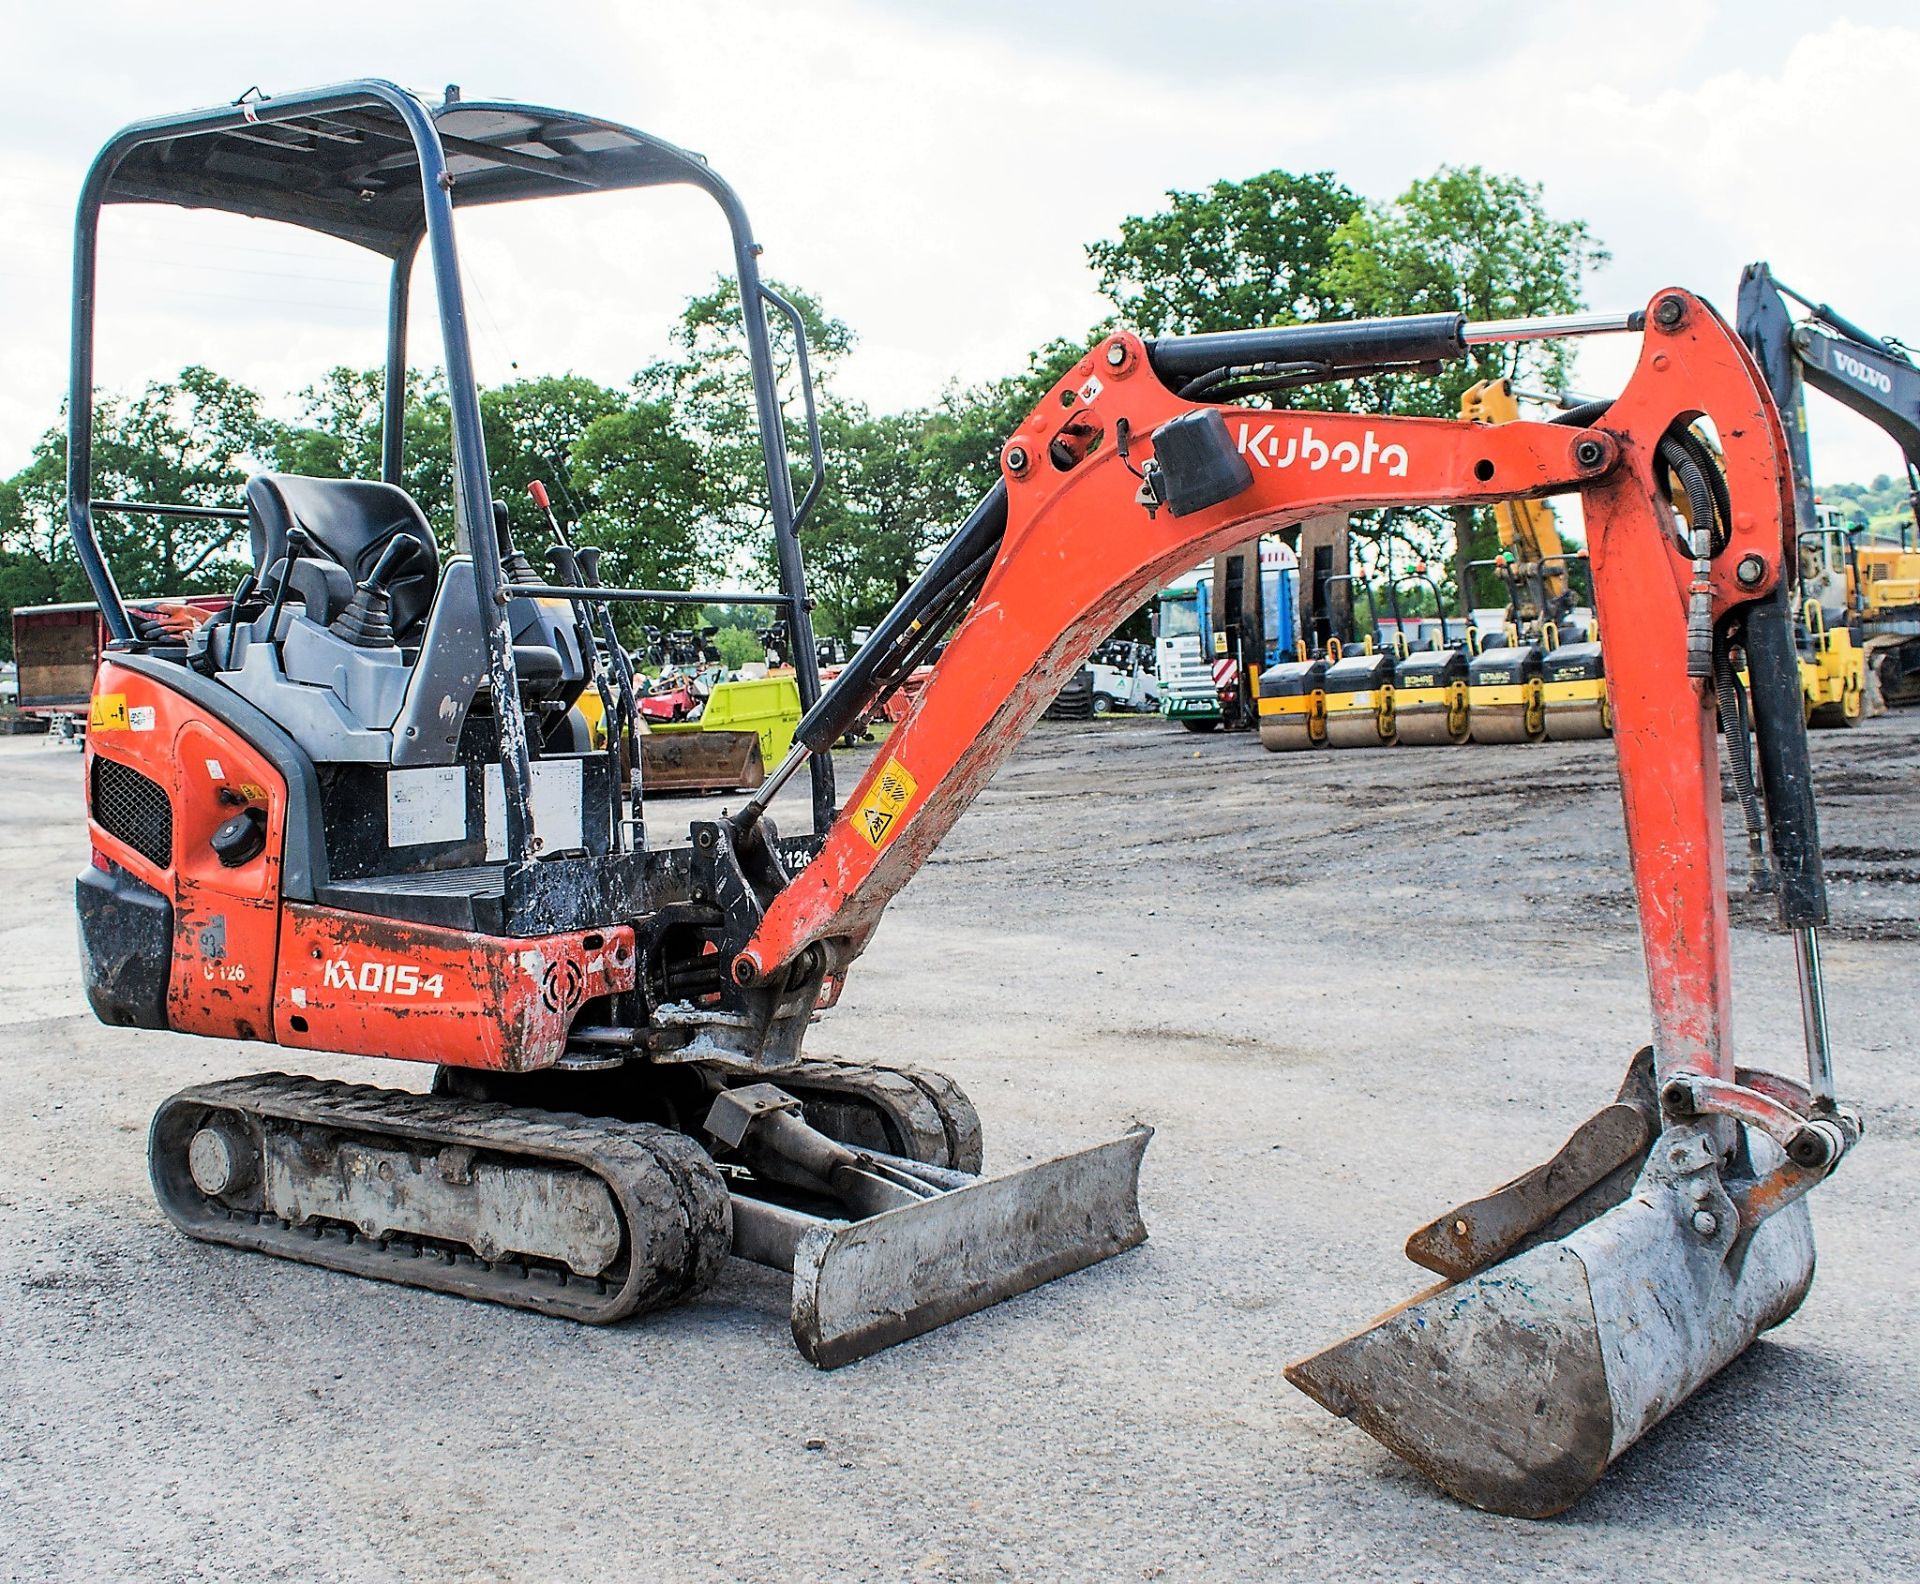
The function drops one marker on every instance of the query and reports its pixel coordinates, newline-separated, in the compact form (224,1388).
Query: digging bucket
(1588,1300)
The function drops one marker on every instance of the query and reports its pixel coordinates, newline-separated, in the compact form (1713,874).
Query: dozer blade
(690,760)
(860,1286)
(1515,1388)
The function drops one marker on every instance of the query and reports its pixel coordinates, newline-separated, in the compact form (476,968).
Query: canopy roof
(354,173)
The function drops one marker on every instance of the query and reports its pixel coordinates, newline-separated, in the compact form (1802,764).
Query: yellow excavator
(1869,581)
(1548,677)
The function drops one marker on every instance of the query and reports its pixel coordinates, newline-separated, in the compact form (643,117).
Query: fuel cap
(242,838)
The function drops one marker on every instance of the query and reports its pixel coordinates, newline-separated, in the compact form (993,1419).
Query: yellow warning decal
(879,811)
(108,712)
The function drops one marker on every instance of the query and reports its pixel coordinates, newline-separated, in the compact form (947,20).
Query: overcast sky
(932,171)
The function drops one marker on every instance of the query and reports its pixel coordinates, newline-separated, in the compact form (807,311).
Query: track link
(643,1215)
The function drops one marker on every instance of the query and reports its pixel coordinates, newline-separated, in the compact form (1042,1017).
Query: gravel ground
(1348,990)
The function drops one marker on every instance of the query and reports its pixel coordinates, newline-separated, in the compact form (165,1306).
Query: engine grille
(133,808)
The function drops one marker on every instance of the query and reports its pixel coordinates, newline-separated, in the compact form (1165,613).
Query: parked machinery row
(1490,685)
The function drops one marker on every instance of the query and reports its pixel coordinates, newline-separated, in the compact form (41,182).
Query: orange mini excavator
(354,812)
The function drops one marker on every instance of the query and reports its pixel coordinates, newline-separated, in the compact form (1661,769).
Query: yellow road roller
(1430,696)
(1833,672)
(1359,694)
(1504,693)
(1573,688)
(1293,704)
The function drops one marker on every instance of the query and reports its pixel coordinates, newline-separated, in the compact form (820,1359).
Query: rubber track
(673,1203)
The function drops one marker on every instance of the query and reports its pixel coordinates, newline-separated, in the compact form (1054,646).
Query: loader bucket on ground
(687,759)
(860,1286)
(1514,1388)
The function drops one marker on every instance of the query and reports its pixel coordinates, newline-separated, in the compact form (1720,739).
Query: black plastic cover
(241,839)
(1360,673)
(1431,668)
(1199,466)
(1293,678)
(1506,667)
(1581,662)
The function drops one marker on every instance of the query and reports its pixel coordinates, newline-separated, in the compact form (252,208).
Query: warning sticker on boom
(879,810)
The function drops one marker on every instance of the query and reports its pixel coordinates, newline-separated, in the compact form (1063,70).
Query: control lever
(586,574)
(517,568)
(367,623)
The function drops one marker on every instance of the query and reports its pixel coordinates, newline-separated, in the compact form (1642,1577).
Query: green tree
(886,505)
(341,437)
(706,384)
(187,441)
(1474,241)
(1468,240)
(1234,256)
(1885,507)
(647,493)
(532,428)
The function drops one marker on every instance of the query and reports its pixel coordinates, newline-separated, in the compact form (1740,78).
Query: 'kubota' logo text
(1865,373)
(1264,447)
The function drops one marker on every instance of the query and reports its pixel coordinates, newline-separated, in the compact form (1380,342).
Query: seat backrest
(350,521)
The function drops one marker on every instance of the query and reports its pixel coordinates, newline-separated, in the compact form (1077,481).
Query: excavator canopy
(354,172)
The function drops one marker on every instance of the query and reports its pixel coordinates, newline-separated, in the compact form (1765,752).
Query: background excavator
(347,814)
(1859,583)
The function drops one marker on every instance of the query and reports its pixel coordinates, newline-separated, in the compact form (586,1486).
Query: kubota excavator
(348,815)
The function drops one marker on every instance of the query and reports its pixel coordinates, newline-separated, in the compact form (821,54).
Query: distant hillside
(1884,505)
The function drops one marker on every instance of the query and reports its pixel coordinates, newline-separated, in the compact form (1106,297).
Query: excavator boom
(1115,482)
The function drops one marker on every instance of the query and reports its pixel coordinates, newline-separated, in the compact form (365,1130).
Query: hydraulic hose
(1738,726)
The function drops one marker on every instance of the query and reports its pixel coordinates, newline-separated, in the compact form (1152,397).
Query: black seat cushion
(351,521)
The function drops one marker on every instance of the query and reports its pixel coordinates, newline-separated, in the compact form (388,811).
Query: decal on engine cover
(879,811)
(108,712)
(381,978)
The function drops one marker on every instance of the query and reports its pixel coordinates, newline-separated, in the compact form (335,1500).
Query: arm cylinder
(1355,343)
(1786,769)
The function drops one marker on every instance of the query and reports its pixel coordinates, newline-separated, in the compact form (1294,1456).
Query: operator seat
(349,521)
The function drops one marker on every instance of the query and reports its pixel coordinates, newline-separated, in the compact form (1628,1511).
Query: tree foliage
(188,441)
(1477,242)
(667,473)
(1234,256)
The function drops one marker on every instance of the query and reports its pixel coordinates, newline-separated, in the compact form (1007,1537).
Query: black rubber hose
(1702,507)
(1584,416)
(1738,726)
(901,630)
